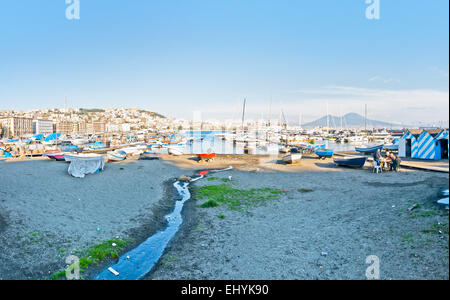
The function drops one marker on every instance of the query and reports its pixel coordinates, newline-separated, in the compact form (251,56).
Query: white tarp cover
(83,164)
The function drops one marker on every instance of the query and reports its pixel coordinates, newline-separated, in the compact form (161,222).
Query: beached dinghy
(292,158)
(117,155)
(391,147)
(368,149)
(324,153)
(352,161)
(206,156)
(174,151)
(55,156)
(83,164)
(149,156)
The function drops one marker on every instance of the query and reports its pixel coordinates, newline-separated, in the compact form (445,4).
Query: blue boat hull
(369,149)
(324,153)
(356,162)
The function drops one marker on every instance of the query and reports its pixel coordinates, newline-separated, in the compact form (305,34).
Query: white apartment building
(44,127)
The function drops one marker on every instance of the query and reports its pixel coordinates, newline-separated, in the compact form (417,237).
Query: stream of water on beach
(138,262)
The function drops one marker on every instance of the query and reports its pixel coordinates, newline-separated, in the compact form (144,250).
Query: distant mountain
(351,120)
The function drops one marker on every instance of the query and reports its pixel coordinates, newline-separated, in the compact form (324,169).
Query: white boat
(136,150)
(175,151)
(292,158)
(82,164)
(117,155)
(284,149)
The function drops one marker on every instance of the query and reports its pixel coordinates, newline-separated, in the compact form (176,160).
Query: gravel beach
(322,225)
(45,214)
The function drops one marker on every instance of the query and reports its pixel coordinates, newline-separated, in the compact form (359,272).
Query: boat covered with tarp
(83,164)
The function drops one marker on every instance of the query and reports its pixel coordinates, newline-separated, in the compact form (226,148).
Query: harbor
(207,144)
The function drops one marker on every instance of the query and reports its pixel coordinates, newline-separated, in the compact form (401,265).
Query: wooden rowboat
(207,156)
(292,158)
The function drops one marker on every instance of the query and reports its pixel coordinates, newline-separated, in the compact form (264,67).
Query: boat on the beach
(324,153)
(367,149)
(55,156)
(149,156)
(351,161)
(83,164)
(174,151)
(391,147)
(284,149)
(292,158)
(207,156)
(4,154)
(116,155)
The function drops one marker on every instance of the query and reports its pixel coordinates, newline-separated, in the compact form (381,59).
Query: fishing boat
(391,147)
(149,156)
(134,150)
(367,149)
(351,161)
(116,155)
(324,153)
(174,151)
(284,149)
(83,164)
(292,158)
(206,156)
(55,156)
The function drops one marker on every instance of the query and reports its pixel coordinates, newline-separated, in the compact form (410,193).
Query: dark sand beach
(322,225)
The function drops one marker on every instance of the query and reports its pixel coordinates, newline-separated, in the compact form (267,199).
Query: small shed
(424,144)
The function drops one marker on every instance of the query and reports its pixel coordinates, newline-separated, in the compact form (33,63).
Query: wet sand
(323,234)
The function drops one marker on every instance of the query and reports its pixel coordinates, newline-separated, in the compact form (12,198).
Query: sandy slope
(45,214)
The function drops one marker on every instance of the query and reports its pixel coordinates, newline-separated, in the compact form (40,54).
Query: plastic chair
(377,167)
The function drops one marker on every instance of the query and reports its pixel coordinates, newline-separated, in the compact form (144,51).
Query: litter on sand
(113,271)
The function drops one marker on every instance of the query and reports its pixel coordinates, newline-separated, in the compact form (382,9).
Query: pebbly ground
(323,234)
(46,215)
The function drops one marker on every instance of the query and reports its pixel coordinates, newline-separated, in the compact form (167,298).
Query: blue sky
(176,57)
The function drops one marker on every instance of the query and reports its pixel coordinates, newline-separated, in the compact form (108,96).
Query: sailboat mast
(365,118)
(243,114)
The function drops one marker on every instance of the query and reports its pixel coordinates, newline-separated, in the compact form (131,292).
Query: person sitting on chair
(377,157)
(393,164)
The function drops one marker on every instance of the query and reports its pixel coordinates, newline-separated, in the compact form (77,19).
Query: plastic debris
(98,229)
(230,177)
(184,179)
(114,244)
(443,201)
(113,271)
(413,207)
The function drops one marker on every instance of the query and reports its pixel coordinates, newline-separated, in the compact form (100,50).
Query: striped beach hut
(424,144)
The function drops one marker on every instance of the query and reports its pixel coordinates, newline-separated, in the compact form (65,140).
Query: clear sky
(176,57)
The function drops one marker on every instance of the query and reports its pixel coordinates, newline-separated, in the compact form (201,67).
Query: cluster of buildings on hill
(77,121)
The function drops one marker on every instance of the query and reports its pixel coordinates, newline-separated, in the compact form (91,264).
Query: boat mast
(243,114)
(365,118)
(328,120)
